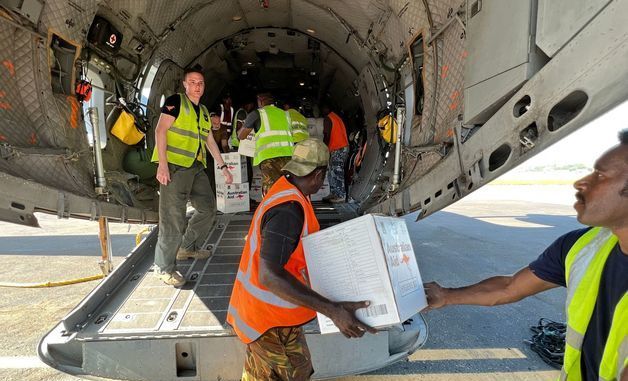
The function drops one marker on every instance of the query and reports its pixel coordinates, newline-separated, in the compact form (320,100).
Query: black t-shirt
(281,231)
(172,106)
(550,266)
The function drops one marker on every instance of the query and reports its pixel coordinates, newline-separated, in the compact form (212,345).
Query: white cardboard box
(367,258)
(247,146)
(232,198)
(236,165)
(315,127)
(256,190)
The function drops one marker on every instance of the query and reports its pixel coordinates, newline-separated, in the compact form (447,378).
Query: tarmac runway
(496,230)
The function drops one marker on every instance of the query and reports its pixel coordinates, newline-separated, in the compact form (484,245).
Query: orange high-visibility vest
(253,309)
(338,137)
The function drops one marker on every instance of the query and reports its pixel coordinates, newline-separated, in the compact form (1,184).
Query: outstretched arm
(489,292)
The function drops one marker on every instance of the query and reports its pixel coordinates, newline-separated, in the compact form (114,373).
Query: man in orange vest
(335,136)
(271,299)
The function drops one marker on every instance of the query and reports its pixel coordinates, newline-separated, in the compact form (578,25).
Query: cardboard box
(247,146)
(256,190)
(323,192)
(367,258)
(237,167)
(232,198)
(315,127)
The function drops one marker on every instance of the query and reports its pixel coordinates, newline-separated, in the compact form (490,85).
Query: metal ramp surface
(132,326)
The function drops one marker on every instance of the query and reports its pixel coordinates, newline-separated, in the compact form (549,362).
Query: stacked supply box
(315,127)
(234,197)
(256,185)
(368,258)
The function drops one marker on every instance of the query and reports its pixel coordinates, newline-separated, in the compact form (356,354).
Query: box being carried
(247,146)
(367,258)
(236,165)
(232,198)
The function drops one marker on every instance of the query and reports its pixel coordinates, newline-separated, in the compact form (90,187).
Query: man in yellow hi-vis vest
(182,132)
(273,139)
(592,263)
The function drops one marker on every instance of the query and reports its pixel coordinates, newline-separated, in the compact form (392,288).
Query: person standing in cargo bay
(271,299)
(335,136)
(181,133)
(274,142)
(592,263)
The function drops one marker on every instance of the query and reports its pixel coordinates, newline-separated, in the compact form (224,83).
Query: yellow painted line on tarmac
(549,375)
(466,354)
(21,362)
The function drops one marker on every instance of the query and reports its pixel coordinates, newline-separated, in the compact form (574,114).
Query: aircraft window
(417,58)
(146,86)
(438,194)
(97,100)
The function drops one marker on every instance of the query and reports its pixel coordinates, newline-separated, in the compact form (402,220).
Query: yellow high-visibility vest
(584,265)
(274,138)
(186,135)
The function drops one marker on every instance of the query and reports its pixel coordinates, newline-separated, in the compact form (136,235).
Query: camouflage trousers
(271,171)
(280,354)
(336,172)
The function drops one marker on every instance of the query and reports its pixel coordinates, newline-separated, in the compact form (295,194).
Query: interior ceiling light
(309,30)
(237,18)
(301,83)
(250,63)
(312,73)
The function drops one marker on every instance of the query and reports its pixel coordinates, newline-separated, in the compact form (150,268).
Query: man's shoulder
(174,98)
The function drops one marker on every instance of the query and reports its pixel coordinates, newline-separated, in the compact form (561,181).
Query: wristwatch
(222,167)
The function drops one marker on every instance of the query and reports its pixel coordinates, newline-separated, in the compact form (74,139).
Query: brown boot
(172,279)
(185,254)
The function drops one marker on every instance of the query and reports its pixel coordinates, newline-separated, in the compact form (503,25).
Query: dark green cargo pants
(186,184)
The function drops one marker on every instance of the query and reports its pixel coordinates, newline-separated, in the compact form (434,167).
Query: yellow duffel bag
(126,130)
(388,128)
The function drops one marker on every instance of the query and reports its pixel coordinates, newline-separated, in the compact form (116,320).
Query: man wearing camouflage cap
(271,299)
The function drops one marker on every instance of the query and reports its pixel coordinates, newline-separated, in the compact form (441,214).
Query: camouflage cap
(308,155)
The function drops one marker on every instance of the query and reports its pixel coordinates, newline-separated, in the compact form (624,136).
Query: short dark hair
(623,136)
(195,69)
(266,97)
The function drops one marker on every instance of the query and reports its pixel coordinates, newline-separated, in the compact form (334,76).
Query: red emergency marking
(5,106)
(33,139)
(3,138)
(9,65)
(444,71)
(455,95)
(113,39)
(74,115)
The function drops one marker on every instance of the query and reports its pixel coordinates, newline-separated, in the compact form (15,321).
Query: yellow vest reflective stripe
(274,138)
(299,125)
(185,136)
(235,142)
(584,265)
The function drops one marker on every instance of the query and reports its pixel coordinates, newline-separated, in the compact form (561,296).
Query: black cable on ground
(548,341)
